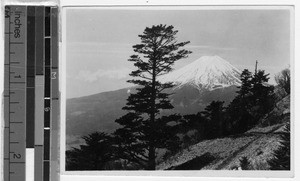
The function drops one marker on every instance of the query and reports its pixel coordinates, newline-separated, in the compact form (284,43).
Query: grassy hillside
(257,144)
(224,153)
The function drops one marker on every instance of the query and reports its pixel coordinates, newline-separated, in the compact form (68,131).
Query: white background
(295,99)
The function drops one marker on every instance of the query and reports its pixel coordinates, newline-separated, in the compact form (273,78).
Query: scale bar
(14,110)
(31,102)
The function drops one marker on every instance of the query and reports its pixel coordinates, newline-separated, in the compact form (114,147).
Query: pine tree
(281,157)
(142,133)
(259,79)
(245,163)
(93,155)
(255,98)
(238,116)
(245,88)
(214,113)
(262,94)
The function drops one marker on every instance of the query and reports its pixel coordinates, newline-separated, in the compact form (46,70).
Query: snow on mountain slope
(207,72)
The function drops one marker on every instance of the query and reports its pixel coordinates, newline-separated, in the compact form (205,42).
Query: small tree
(142,133)
(242,104)
(238,116)
(246,79)
(214,114)
(283,79)
(245,163)
(281,157)
(93,155)
(262,94)
(259,82)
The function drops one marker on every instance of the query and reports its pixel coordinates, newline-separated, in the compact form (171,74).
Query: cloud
(115,73)
(98,48)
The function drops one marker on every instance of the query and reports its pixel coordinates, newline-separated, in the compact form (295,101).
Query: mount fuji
(210,78)
(207,72)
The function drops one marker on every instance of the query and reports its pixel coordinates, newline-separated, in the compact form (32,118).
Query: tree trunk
(151,162)
(221,133)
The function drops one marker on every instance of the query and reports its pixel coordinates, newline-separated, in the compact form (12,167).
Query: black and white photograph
(178,88)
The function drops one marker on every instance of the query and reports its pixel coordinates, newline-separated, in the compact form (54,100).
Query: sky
(99,41)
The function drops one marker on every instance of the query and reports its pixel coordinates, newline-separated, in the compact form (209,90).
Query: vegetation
(142,132)
(255,98)
(94,155)
(245,163)
(283,79)
(214,114)
(131,143)
(281,157)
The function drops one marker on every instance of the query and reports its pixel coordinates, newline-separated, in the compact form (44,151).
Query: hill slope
(256,144)
(224,153)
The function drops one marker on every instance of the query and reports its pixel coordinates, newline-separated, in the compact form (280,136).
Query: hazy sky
(100,41)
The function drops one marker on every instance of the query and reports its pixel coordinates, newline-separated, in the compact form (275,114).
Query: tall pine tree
(262,98)
(142,131)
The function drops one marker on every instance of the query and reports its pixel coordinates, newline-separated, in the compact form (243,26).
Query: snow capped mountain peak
(207,72)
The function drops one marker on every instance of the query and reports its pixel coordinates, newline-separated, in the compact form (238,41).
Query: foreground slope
(224,153)
(256,144)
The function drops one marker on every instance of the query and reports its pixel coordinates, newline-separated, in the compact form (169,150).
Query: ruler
(14,94)
(31,92)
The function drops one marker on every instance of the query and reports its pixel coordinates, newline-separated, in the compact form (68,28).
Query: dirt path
(230,155)
(258,136)
(229,159)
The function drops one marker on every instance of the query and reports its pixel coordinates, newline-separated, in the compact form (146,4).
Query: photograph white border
(162,174)
(295,89)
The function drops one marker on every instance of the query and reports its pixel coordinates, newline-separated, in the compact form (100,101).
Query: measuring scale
(31,96)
